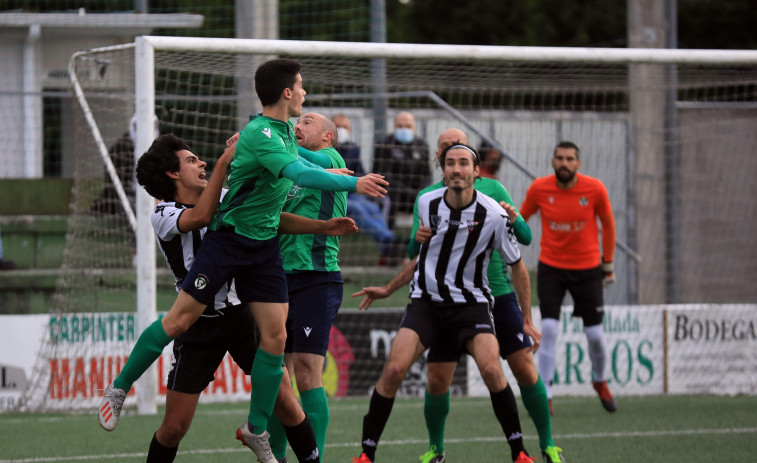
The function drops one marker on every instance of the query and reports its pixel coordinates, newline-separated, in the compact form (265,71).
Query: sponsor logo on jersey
(266,131)
(560,226)
(471,225)
(435,221)
(307,331)
(294,192)
(201,281)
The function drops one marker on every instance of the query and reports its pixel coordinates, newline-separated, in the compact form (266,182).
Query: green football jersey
(314,252)
(499,279)
(256,191)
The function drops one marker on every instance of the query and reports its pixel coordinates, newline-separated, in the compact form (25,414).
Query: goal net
(670,133)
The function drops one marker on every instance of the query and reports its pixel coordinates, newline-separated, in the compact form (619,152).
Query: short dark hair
(568,145)
(476,157)
(160,158)
(485,147)
(272,77)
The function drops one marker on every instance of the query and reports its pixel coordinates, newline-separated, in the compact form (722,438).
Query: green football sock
(278,438)
(316,405)
(435,410)
(148,348)
(266,378)
(535,400)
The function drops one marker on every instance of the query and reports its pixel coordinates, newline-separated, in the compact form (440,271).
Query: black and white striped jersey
(179,250)
(452,265)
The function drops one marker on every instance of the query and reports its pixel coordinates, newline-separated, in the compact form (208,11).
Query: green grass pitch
(653,428)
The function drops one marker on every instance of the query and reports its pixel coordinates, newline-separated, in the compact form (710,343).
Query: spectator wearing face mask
(363,210)
(403,158)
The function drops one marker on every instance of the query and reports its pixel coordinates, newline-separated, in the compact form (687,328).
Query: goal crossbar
(473,52)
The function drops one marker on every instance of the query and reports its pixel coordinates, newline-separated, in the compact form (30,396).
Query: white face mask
(342,135)
(404,135)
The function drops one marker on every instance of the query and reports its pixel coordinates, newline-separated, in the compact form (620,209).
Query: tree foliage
(707,24)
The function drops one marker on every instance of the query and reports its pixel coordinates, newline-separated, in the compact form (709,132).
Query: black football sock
(302,440)
(506,411)
(160,454)
(374,422)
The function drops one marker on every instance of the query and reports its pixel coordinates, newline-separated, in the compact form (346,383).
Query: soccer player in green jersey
(513,329)
(242,243)
(314,280)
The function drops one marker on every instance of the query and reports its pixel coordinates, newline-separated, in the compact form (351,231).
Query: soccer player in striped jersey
(514,330)
(570,260)
(450,300)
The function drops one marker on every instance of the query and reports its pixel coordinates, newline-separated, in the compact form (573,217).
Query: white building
(34,57)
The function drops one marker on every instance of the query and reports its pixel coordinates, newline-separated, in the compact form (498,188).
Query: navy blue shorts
(446,328)
(585,286)
(314,300)
(198,352)
(255,265)
(508,321)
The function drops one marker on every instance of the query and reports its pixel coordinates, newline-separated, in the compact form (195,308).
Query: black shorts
(255,266)
(447,327)
(585,286)
(198,352)
(314,300)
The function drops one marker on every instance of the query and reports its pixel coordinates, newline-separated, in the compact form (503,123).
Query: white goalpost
(659,169)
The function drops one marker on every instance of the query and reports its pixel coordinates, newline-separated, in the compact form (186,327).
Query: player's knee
(492,375)
(273,339)
(176,326)
(171,433)
(394,374)
(437,384)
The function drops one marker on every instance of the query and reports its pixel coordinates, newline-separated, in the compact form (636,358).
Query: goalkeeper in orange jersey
(570,259)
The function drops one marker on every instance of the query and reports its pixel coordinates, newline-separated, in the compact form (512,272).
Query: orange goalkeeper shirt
(570,235)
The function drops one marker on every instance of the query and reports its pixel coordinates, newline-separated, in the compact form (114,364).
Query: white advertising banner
(712,349)
(78,355)
(635,354)
(20,337)
(677,349)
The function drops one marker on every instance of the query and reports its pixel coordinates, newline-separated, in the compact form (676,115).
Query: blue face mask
(404,136)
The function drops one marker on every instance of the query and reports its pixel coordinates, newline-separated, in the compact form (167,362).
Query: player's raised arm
(304,176)
(292,224)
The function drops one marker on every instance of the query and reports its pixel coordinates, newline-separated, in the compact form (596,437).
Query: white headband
(463,147)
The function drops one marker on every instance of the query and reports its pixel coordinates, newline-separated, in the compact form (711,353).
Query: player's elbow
(196,222)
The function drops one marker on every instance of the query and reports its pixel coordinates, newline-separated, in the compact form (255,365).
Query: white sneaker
(258,443)
(110,407)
